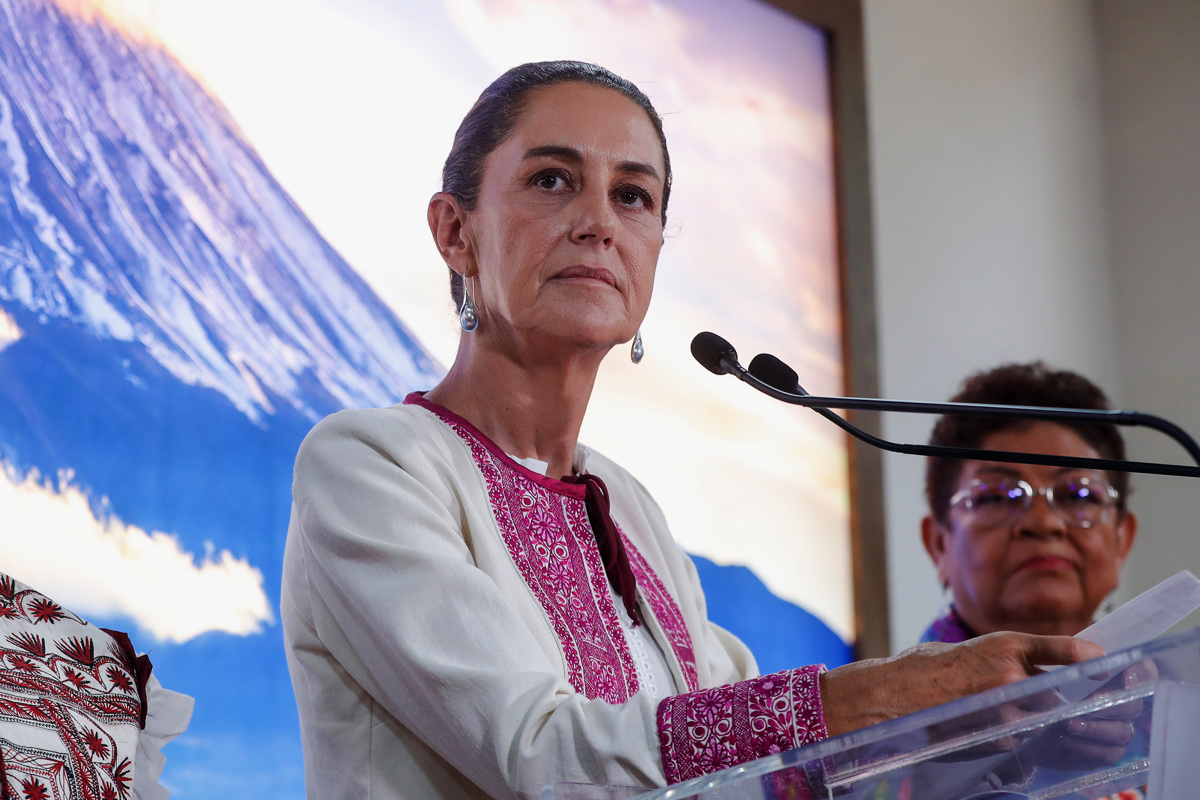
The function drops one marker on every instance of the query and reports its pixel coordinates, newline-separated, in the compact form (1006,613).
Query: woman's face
(1037,572)
(568,226)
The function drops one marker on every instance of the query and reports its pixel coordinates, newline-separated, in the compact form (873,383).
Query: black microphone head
(710,350)
(773,372)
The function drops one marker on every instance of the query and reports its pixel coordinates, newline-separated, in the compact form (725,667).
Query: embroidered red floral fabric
(714,729)
(71,705)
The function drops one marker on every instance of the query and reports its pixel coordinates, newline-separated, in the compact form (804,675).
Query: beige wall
(1150,67)
(1033,173)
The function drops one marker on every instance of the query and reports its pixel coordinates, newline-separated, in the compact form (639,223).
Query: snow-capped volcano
(130,204)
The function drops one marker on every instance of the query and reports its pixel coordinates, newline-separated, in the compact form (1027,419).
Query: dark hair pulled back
(497,111)
(1032,384)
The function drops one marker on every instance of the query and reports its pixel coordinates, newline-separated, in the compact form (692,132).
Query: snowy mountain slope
(130,204)
(171,325)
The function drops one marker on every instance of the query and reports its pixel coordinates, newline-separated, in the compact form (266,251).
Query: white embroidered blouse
(451,632)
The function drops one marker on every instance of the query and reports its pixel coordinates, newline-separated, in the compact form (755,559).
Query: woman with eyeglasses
(1026,548)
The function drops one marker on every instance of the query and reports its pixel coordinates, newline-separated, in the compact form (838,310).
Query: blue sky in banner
(212,234)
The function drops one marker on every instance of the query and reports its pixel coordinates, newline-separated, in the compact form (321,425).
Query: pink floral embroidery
(667,612)
(714,729)
(550,539)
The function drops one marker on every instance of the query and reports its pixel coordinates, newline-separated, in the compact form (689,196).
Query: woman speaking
(475,604)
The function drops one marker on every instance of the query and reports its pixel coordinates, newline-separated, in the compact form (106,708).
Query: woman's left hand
(1098,739)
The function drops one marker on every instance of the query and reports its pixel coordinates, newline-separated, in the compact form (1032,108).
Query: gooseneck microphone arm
(774,378)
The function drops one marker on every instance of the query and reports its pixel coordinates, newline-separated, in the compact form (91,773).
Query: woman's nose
(1041,520)
(597,221)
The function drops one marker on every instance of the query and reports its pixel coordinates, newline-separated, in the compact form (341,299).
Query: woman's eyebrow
(998,468)
(638,167)
(571,154)
(1091,470)
(557,150)
(1015,473)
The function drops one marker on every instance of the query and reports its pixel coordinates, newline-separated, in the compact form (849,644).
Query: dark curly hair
(498,110)
(1020,385)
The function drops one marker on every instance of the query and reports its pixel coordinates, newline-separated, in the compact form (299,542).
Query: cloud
(52,541)
(10,332)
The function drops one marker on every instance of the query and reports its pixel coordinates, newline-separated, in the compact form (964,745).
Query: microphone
(779,376)
(716,355)
(771,376)
(773,372)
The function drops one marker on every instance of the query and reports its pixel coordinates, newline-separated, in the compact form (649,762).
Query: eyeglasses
(1083,501)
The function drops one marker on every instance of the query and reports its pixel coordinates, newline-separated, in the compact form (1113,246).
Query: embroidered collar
(553,484)
(545,526)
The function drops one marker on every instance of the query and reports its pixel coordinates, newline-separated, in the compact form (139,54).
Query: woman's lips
(1047,564)
(579,272)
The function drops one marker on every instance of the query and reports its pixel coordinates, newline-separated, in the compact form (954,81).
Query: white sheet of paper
(1147,616)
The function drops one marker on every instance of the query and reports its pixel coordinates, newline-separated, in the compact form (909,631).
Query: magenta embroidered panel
(667,612)
(70,704)
(714,729)
(550,539)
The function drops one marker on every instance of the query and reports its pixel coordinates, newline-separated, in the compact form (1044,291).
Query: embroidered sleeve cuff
(713,729)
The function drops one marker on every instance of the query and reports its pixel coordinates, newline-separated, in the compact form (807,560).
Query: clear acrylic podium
(1017,742)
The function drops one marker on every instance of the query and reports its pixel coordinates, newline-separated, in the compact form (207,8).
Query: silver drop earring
(637,350)
(468,315)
